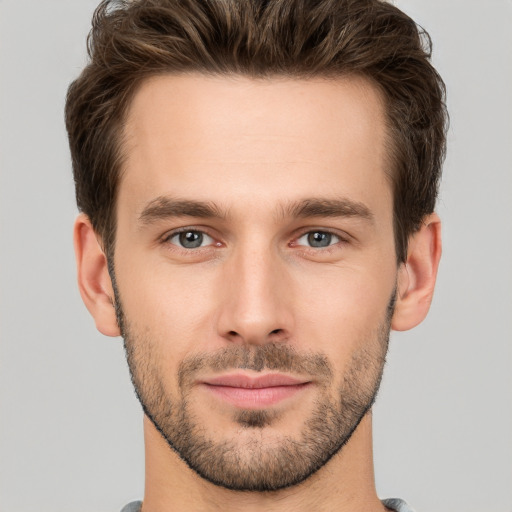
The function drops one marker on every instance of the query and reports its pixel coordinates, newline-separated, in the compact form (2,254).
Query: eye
(318,239)
(190,239)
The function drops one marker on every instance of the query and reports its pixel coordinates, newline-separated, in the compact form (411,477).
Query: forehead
(277,139)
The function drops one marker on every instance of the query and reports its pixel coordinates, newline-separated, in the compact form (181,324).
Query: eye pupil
(191,239)
(319,239)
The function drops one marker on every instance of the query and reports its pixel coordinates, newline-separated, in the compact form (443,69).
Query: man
(257,182)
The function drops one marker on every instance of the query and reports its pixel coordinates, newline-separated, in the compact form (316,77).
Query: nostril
(277,336)
(274,336)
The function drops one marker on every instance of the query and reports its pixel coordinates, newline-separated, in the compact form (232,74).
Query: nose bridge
(256,309)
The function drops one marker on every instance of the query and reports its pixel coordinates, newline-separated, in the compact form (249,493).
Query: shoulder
(134,506)
(397,505)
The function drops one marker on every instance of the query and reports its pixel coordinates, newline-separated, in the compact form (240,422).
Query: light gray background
(70,426)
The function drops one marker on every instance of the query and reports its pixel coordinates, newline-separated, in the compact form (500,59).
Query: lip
(248,392)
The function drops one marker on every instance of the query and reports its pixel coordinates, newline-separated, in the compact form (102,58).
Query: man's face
(255,269)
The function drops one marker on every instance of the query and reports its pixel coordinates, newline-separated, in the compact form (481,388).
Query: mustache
(272,356)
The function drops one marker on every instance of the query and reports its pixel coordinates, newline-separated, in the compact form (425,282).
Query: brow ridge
(165,207)
(323,207)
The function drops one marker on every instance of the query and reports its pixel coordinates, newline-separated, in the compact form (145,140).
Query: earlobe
(417,276)
(93,277)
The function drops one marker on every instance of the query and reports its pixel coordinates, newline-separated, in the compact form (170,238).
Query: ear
(93,277)
(417,276)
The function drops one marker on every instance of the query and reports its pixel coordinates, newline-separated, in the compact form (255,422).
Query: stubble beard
(257,464)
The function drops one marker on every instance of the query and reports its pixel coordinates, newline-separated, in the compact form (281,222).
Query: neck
(345,483)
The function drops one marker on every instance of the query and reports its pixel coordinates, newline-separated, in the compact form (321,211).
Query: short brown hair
(132,40)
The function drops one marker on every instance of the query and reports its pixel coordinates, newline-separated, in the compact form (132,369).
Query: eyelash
(342,240)
(168,236)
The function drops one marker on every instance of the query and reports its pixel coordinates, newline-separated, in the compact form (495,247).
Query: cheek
(174,307)
(342,310)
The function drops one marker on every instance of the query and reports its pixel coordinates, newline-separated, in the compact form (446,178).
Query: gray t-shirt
(395,504)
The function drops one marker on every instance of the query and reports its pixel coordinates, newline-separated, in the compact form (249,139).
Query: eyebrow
(164,207)
(320,207)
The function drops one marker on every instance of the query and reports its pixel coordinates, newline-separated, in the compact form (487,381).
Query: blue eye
(190,239)
(318,239)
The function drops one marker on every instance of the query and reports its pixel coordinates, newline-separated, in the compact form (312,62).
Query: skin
(257,149)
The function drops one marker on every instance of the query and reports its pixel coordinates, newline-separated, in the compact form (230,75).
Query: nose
(255,298)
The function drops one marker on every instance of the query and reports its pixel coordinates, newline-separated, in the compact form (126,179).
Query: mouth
(248,392)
